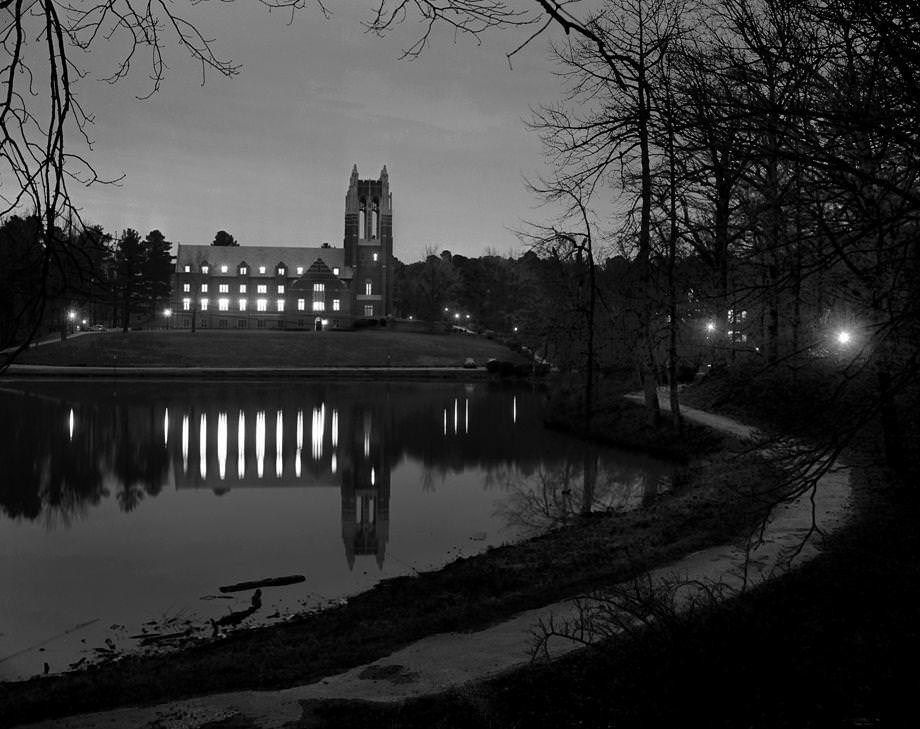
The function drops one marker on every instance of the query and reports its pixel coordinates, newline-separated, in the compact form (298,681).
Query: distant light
(456,316)
(325,322)
(83,322)
(844,337)
(167,313)
(515,329)
(710,327)
(71,315)
(445,308)
(467,316)
(410,317)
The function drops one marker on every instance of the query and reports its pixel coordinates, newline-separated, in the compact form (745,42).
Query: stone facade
(288,287)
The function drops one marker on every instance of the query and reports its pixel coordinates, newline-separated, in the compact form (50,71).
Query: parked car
(98,327)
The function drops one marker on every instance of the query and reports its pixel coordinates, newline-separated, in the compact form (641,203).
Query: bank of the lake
(599,550)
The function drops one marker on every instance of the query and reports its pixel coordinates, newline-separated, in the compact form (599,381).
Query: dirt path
(448,660)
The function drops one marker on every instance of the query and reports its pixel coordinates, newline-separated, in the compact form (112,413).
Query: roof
(255,256)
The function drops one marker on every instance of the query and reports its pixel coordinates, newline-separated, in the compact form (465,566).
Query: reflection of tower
(366,497)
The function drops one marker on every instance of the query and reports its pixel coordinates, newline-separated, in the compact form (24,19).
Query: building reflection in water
(358,434)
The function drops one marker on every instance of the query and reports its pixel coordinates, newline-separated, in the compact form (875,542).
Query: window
(335,271)
(186,304)
(222,323)
(319,306)
(301,305)
(204,304)
(281,271)
(242,304)
(300,270)
(280,303)
(223,269)
(223,288)
(242,288)
(369,310)
(375,258)
(368,287)
(319,288)
(261,289)
(261,269)
(186,287)
(241,323)
(280,288)
(262,304)
(335,304)
(186,268)
(205,269)
(204,288)
(243,270)
(223,304)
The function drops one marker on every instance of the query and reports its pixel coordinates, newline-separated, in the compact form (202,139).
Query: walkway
(453,659)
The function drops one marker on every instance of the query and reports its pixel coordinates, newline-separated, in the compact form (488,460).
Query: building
(288,287)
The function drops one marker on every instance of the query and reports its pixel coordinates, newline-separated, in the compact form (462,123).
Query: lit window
(280,288)
(242,288)
(375,258)
(223,304)
(261,289)
(243,270)
(186,304)
(368,288)
(319,288)
(335,304)
(301,304)
(280,303)
(186,268)
(335,271)
(368,311)
(223,288)
(223,269)
(186,287)
(242,304)
(262,304)
(300,270)
(205,269)
(261,269)
(204,288)
(204,304)
(280,271)
(319,306)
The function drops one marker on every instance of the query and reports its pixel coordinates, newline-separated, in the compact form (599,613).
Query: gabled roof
(255,256)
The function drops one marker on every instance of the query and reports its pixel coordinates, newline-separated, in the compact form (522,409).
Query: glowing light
(241,444)
(334,463)
(515,329)
(456,415)
(71,315)
(299,443)
(335,428)
(373,477)
(844,337)
(445,421)
(279,444)
(185,443)
(222,445)
(466,416)
(710,327)
(71,423)
(260,443)
(514,409)
(203,446)
(317,429)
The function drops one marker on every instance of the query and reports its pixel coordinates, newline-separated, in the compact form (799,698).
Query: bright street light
(71,315)
(710,327)
(844,337)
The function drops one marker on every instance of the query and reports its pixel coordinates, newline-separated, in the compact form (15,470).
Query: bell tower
(369,243)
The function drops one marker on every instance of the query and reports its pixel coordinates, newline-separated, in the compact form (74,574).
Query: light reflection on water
(111,519)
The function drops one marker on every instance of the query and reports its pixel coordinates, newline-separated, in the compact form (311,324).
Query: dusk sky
(267,155)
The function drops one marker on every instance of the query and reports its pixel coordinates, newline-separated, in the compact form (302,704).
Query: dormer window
(335,271)
(223,268)
(186,268)
(262,269)
(281,269)
(244,268)
(300,270)
(205,268)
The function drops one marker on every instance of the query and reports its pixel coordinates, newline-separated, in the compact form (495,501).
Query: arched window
(375,219)
(362,219)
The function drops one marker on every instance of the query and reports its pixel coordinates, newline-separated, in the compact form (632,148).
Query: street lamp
(167,313)
(710,327)
(844,337)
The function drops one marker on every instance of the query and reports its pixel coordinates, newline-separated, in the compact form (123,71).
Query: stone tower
(369,243)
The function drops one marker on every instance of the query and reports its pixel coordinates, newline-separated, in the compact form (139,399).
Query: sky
(267,155)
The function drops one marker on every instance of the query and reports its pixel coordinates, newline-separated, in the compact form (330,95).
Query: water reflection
(118,437)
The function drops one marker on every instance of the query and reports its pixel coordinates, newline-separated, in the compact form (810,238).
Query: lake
(126,506)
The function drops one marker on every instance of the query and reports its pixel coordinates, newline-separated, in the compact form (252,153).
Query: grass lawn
(364,348)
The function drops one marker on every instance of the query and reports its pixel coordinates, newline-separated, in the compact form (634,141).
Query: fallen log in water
(270,582)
